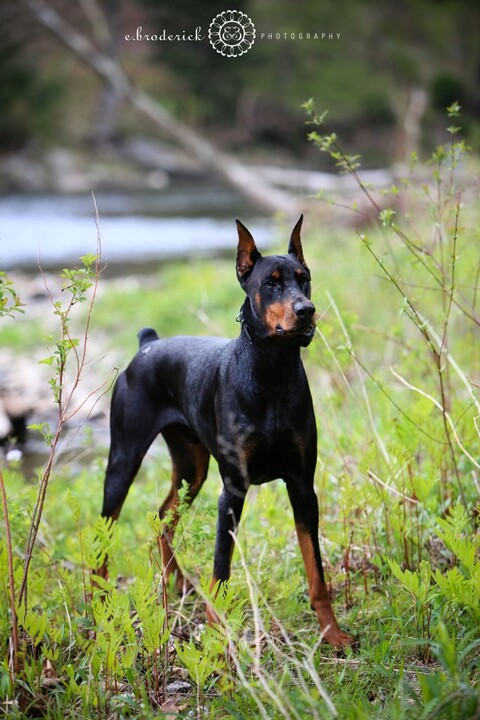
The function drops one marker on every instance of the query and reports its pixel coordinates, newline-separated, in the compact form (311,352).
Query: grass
(398,489)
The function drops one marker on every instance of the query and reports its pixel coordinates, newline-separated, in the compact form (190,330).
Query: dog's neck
(268,359)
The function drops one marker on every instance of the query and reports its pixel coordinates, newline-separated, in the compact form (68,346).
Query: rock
(65,173)
(5,423)
(19,172)
(178,686)
(26,395)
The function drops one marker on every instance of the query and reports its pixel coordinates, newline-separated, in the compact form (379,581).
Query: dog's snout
(304,309)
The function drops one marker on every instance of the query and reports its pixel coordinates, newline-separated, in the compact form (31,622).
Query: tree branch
(244,179)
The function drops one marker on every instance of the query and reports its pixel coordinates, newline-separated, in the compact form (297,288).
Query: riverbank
(139,163)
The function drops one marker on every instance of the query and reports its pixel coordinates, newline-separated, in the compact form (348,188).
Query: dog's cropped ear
(295,245)
(247,253)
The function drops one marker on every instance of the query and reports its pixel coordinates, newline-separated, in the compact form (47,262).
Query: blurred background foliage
(385,82)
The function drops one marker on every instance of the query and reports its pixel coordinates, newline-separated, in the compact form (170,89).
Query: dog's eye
(273,282)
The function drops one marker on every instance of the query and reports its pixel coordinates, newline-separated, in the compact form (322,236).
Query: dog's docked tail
(146,335)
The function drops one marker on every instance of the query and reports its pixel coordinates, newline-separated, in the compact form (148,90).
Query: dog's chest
(267,456)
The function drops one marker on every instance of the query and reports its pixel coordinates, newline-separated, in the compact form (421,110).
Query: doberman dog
(245,401)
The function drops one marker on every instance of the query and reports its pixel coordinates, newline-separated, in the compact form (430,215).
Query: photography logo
(231,33)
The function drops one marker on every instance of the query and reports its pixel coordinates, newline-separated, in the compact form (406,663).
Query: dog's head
(278,289)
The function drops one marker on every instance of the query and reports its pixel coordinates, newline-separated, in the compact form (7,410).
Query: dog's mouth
(303,332)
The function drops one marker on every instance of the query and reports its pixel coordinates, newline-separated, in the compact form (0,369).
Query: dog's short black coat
(245,401)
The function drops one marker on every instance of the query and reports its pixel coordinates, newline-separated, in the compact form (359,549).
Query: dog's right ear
(295,246)
(247,253)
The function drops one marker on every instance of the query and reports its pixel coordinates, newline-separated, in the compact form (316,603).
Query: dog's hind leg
(133,427)
(190,463)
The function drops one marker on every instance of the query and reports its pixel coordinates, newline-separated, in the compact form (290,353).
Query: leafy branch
(438,259)
(10,303)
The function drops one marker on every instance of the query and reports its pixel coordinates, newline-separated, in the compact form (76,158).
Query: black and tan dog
(244,401)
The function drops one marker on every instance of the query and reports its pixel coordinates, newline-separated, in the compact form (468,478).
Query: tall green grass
(394,373)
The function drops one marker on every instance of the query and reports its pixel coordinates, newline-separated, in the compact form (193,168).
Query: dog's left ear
(295,245)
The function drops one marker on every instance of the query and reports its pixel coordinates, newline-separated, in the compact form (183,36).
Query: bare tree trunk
(410,110)
(416,109)
(105,29)
(262,193)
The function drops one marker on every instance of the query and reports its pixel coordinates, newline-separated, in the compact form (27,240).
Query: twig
(305,664)
(455,366)
(14,662)
(337,364)
(444,413)
(391,489)
(328,144)
(255,607)
(63,409)
(376,434)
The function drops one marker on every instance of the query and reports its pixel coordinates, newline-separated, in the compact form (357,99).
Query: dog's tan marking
(318,592)
(280,314)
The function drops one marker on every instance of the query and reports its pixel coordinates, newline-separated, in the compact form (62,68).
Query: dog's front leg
(305,510)
(230,506)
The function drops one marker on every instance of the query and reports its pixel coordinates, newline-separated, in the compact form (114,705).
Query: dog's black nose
(304,309)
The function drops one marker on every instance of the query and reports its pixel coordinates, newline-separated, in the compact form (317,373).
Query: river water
(134,227)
